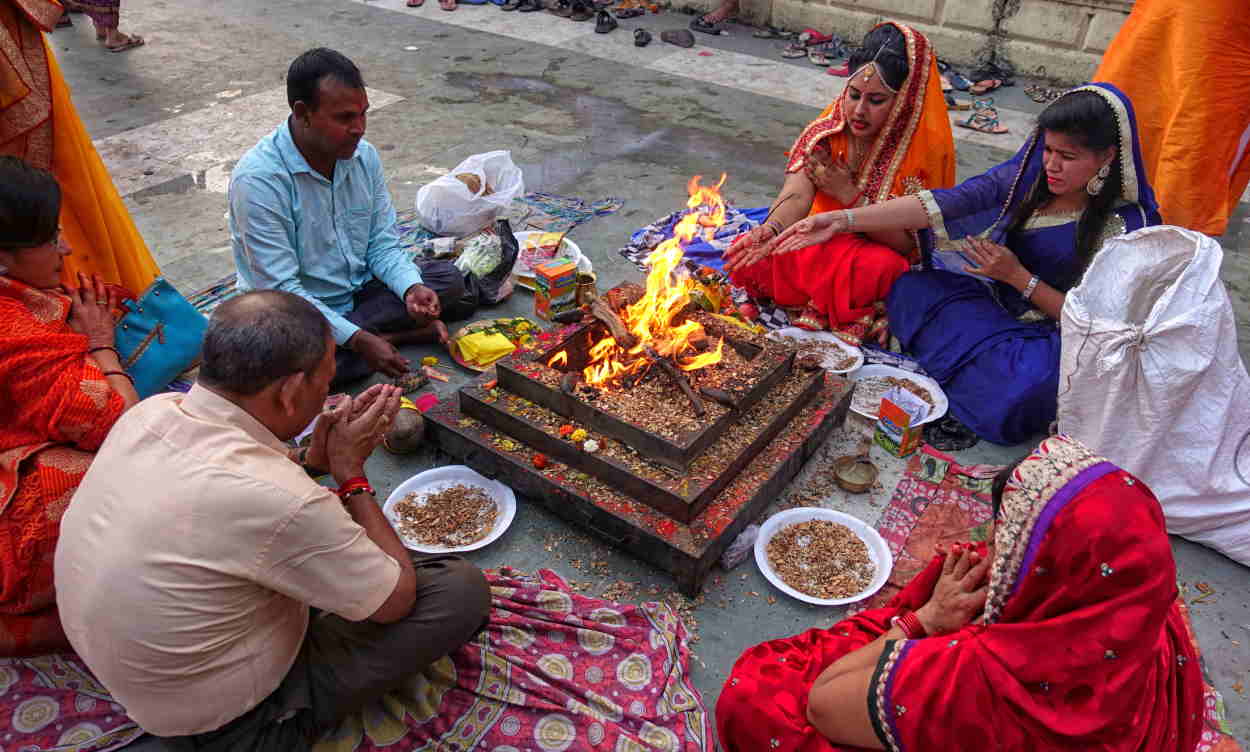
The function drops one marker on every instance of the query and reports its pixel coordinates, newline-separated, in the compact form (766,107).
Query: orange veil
(914,151)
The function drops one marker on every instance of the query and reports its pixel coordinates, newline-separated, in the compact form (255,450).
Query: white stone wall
(1061,39)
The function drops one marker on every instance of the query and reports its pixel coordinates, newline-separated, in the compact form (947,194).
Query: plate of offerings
(873,381)
(822,557)
(450,509)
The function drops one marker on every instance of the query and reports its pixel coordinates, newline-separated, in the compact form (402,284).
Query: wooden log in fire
(625,294)
(676,376)
(600,309)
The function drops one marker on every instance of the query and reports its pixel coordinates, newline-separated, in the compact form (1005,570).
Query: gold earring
(1095,184)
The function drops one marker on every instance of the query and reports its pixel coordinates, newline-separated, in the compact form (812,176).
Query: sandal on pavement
(958,80)
(946,83)
(957,105)
(986,86)
(132,41)
(699,24)
(415,3)
(816,57)
(642,37)
(605,23)
(630,12)
(771,32)
(562,8)
(794,51)
(510,5)
(810,37)
(984,120)
(843,70)
(530,6)
(678,37)
(1041,94)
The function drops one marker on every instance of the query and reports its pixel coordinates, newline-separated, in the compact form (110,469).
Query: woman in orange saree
(39,124)
(62,388)
(1186,67)
(888,135)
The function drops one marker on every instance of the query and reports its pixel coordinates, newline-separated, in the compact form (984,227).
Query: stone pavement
(584,115)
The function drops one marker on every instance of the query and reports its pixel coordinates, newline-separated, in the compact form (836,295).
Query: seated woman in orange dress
(888,135)
(62,387)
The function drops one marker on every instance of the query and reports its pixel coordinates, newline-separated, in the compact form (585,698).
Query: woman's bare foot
(727,9)
(115,41)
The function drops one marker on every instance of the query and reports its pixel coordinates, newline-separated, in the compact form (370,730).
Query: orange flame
(667,295)
(559,359)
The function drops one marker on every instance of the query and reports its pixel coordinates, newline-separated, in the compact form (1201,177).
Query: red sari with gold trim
(847,278)
(55,410)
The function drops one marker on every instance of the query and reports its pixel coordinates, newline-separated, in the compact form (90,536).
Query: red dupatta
(1082,645)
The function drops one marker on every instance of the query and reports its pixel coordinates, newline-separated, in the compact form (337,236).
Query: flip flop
(630,12)
(956,105)
(958,80)
(810,37)
(842,70)
(794,51)
(986,86)
(678,37)
(132,41)
(816,57)
(984,121)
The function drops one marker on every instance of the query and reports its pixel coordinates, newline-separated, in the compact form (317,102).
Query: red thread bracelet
(354,485)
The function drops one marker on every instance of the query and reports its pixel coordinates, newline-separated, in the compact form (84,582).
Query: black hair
(888,47)
(260,337)
(1000,485)
(1088,118)
(303,78)
(30,205)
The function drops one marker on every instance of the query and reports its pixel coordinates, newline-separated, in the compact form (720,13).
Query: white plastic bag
(447,206)
(1151,378)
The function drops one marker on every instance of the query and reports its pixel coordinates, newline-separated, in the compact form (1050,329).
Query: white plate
(568,249)
(794,332)
(940,403)
(878,551)
(441,478)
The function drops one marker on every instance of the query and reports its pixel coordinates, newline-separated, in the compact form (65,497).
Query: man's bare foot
(115,41)
(728,9)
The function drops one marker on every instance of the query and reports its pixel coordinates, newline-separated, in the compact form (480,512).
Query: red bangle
(910,625)
(353,485)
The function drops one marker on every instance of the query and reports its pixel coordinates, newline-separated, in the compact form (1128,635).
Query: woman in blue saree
(1000,252)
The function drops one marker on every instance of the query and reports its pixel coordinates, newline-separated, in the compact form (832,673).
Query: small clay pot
(406,433)
(855,474)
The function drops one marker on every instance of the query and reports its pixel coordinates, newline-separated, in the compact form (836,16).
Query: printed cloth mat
(941,501)
(554,670)
(544,212)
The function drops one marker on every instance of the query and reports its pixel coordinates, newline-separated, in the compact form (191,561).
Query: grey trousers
(344,665)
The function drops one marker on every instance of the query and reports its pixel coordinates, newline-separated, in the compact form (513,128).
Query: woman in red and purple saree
(1080,643)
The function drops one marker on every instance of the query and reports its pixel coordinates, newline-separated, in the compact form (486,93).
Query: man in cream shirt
(197,542)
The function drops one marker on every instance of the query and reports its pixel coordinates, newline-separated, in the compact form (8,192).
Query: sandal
(984,120)
(810,37)
(958,80)
(605,22)
(986,86)
(816,57)
(629,12)
(419,3)
(956,105)
(1041,94)
(132,41)
(642,37)
(949,435)
(842,70)
(447,4)
(699,24)
(794,51)
(946,83)
(772,32)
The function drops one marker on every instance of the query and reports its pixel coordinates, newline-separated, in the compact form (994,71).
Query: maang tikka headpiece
(871,67)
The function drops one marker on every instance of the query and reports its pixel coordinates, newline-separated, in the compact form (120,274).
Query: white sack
(447,206)
(1151,378)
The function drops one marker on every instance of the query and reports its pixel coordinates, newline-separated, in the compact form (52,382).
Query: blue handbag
(159,338)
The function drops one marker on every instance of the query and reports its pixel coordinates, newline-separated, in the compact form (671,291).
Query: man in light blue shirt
(310,213)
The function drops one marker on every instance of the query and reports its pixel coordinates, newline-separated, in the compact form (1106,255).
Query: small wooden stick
(677,378)
(719,395)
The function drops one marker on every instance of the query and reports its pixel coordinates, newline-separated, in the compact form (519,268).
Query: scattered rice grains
(455,516)
(822,559)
